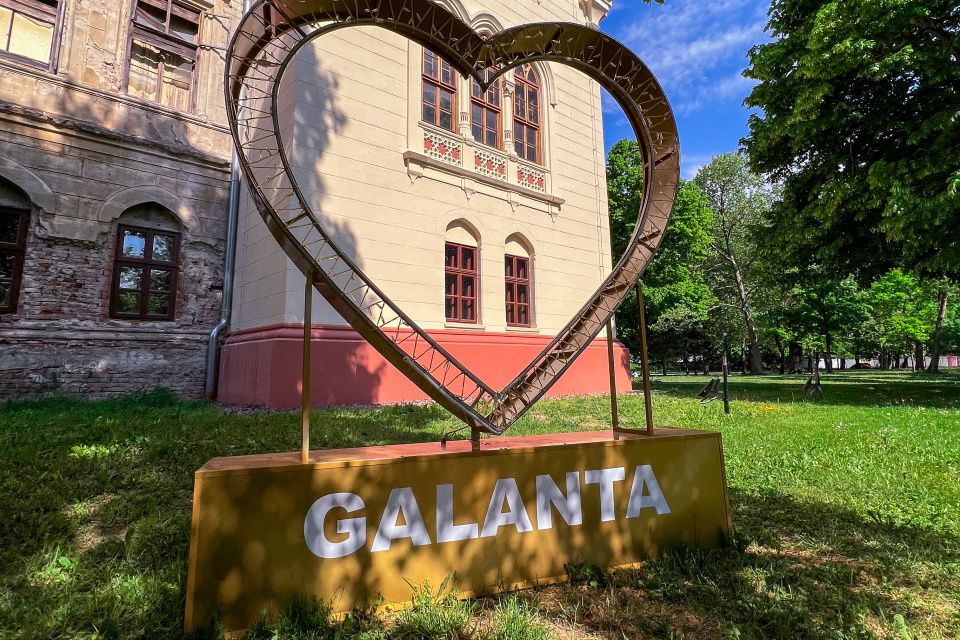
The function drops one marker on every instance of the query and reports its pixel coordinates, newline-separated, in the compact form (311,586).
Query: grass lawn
(847,512)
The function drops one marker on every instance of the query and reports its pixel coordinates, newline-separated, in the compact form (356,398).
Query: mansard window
(439,92)
(27,28)
(163,53)
(13,240)
(517,272)
(145,274)
(461,282)
(485,112)
(526,114)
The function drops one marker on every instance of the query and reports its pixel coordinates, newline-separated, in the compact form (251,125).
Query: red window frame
(461,280)
(12,253)
(517,280)
(485,111)
(439,78)
(526,113)
(146,265)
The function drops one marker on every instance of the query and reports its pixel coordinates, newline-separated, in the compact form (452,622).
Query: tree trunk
(884,359)
(938,331)
(829,355)
(917,355)
(843,363)
(795,357)
(756,363)
(783,362)
(663,363)
(810,363)
(743,356)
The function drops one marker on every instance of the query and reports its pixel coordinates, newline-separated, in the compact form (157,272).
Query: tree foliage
(860,123)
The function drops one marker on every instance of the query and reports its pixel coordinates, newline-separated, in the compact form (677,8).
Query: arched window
(439,92)
(146,266)
(517,279)
(485,112)
(461,257)
(526,113)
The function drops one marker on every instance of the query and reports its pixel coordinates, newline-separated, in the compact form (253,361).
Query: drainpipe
(233,215)
(228,264)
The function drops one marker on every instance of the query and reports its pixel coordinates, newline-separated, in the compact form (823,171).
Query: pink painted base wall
(263,366)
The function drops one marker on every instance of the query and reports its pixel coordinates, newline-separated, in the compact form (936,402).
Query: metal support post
(305,381)
(614,411)
(645,363)
(725,365)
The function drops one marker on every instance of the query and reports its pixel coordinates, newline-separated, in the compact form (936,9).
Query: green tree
(901,314)
(738,200)
(858,121)
(675,296)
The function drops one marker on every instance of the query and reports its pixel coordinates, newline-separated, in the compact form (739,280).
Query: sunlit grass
(847,512)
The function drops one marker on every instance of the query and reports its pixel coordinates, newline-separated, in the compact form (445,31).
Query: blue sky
(697,49)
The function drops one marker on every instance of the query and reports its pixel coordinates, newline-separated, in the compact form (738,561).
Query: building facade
(114,180)
(483,214)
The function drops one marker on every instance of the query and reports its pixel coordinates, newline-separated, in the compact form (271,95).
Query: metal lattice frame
(268,38)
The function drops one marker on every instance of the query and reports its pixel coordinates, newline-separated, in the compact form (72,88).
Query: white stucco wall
(353,100)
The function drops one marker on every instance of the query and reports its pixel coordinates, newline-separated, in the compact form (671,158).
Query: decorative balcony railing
(486,163)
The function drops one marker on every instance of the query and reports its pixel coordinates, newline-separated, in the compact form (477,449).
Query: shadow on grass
(795,569)
(857,388)
(96,500)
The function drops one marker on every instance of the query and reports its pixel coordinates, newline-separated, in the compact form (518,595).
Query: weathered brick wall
(99,363)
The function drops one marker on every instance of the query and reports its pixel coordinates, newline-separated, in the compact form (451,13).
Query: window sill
(531,330)
(464,325)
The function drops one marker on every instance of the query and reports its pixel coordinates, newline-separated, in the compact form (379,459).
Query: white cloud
(696,48)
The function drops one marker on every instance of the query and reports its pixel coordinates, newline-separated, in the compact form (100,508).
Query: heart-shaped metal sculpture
(268,39)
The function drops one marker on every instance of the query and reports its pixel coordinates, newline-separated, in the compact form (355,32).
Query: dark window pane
(134,243)
(508,266)
(446,100)
(131,277)
(184,29)
(511,315)
(430,64)
(518,148)
(429,94)
(521,269)
(476,114)
(9,228)
(510,294)
(160,280)
(451,309)
(523,315)
(446,120)
(446,74)
(492,139)
(531,153)
(4,294)
(6,266)
(518,134)
(531,76)
(534,115)
(467,309)
(429,113)
(475,88)
(163,248)
(450,256)
(492,120)
(466,258)
(128,302)
(467,286)
(451,284)
(158,304)
(522,294)
(477,131)
(520,106)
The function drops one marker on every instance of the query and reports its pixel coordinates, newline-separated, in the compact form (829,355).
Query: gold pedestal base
(357,525)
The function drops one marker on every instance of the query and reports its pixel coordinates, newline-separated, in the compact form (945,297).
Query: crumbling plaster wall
(89,151)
